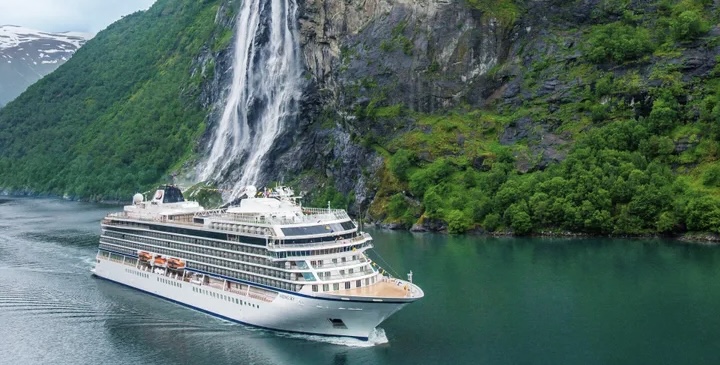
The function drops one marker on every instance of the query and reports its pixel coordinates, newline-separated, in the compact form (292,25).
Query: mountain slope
(26,55)
(116,116)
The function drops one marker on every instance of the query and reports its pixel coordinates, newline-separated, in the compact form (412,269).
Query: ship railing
(278,243)
(412,289)
(139,216)
(341,264)
(310,215)
(354,274)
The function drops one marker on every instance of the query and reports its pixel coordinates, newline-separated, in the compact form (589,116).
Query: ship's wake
(377,337)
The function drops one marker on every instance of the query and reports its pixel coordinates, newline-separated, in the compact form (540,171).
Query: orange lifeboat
(159,261)
(144,256)
(176,264)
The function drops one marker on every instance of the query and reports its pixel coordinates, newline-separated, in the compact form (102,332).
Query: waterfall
(264,93)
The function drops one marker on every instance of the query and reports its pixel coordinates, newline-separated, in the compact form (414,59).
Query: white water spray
(264,93)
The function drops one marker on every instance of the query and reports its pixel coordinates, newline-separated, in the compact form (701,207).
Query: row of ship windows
(347,285)
(209,260)
(278,274)
(242,248)
(211,269)
(225,297)
(246,277)
(200,250)
(327,251)
(135,272)
(170,282)
(200,241)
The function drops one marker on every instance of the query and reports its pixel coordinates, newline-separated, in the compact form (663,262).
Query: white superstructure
(267,262)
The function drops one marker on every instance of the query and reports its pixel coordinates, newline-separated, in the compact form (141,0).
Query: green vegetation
(118,116)
(506,11)
(617,42)
(644,151)
(398,41)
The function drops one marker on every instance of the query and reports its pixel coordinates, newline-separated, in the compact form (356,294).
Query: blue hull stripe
(227,318)
(282,290)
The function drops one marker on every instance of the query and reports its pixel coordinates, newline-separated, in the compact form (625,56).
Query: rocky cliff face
(424,55)
(376,66)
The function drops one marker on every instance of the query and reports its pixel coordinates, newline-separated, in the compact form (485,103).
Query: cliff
(463,113)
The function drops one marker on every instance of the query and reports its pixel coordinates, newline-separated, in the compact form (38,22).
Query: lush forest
(639,130)
(120,114)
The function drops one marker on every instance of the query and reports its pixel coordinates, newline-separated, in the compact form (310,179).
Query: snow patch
(13,36)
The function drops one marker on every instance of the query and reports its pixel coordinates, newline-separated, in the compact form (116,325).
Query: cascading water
(264,94)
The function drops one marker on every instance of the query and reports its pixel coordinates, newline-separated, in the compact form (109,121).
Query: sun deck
(391,288)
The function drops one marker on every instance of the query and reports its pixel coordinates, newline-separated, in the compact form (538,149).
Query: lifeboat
(159,261)
(176,264)
(144,256)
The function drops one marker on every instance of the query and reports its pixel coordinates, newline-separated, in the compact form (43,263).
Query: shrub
(491,222)
(688,25)
(401,162)
(711,177)
(458,221)
(617,42)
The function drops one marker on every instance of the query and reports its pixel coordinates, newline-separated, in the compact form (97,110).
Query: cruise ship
(266,262)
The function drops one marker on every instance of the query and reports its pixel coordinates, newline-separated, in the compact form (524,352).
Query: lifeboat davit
(144,256)
(175,264)
(159,261)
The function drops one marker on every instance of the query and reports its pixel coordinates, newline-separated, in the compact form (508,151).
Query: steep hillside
(26,55)
(587,116)
(120,113)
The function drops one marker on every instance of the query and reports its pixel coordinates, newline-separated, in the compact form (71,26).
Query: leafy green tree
(666,222)
(458,221)
(688,25)
(491,222)
(617,42)
(433,203)
(401,162)
(519,219)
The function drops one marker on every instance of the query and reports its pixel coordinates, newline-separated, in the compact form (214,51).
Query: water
(264,93)
(488,301)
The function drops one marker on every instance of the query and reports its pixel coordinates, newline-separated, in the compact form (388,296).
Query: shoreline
(697,238)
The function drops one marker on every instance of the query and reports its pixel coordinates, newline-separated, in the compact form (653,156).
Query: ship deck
(380,290)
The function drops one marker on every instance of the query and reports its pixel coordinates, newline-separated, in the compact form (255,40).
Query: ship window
(315,288)
(336,286)
(326,287)
(358,283)
(347,285)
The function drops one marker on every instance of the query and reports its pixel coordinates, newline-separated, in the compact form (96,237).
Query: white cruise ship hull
(287,312)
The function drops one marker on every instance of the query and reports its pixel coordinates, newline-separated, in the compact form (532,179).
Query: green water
(488,301)
(557,301)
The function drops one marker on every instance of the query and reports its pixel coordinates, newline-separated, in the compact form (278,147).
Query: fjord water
(488,301)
